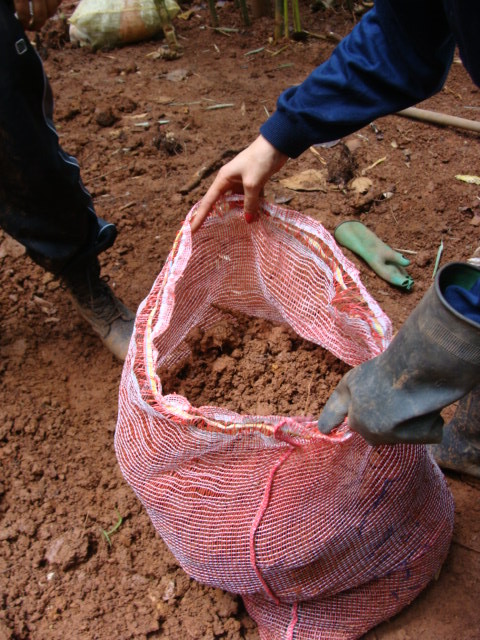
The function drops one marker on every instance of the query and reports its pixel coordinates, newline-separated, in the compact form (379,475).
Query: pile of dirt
(256,367)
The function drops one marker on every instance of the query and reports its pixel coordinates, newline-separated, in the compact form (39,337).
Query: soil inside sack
(251,365)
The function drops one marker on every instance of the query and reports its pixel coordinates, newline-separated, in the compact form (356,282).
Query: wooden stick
(206,170)
(439,118)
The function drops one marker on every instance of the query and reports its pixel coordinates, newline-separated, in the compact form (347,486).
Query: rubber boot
(97,304)
(433,361)
(460,446)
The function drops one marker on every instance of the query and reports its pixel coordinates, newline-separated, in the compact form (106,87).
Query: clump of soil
(342,166)
(253,366)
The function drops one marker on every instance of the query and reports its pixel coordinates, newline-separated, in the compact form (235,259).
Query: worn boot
(460,446)
(433,361)
(97,304)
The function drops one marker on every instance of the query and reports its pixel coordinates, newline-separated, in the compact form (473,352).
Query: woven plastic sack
(107,23)
(323,536)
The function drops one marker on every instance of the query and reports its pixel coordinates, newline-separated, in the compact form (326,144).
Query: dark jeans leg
(43,203)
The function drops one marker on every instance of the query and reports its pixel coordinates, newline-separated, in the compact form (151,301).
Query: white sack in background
(101,23)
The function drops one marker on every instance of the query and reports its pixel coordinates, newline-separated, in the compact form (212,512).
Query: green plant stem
(244,10)
(213,13)
(167,25)
(278,20)
(116,527)
(297,26)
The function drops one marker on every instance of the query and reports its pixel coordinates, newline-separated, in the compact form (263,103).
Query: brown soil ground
(60,485)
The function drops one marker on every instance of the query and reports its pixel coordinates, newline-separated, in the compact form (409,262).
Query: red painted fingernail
(249,217)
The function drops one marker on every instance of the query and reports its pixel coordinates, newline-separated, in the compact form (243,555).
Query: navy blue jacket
(396,56)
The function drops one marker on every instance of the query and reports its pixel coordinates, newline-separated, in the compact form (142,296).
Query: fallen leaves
(469,179)
(308,180)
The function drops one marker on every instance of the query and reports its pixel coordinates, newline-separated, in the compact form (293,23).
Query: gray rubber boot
(460,446)
(97,304)
(433,361)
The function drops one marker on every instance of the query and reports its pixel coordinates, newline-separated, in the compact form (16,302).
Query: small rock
(169,592)
(423,259)
(105,118)
(12,248)
(178,75)
(69,550)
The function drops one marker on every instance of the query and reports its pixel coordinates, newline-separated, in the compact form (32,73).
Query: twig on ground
(224,105)
(409,251)
(206,170)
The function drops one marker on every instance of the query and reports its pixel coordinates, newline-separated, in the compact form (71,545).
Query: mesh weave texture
(323,536)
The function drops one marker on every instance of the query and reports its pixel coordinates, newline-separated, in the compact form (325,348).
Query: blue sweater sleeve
(397,55)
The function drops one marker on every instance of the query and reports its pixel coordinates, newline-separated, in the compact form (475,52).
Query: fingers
(229,179)
(401,260)
(247,173)
(218,188)
(251,202)
(402,280)
(391,267)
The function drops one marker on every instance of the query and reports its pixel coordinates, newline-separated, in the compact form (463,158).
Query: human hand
(247,173)
(34,13)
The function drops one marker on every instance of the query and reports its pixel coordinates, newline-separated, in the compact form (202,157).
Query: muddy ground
(60,486)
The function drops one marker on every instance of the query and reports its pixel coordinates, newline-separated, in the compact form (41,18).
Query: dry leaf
(469,179)
(360,185)
(309,180)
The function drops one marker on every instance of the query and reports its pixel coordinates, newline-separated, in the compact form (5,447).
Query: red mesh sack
(323,536)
